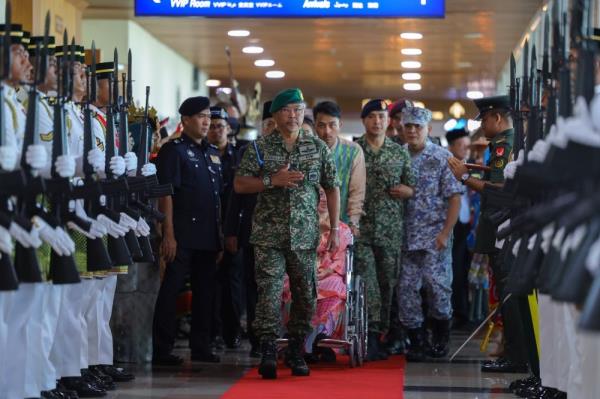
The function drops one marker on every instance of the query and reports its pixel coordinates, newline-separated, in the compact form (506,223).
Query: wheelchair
(354,333)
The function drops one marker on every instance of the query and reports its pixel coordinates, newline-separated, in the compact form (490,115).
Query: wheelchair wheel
(361,318)
(352,354)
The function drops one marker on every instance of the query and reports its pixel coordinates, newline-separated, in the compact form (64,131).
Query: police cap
(218,113)
(501,103)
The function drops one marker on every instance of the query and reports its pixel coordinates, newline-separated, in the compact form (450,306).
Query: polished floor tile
(438,379)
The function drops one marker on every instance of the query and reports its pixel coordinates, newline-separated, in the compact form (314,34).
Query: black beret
(456,134)
(193,105)
(218,113)
(373,105)
(267,110)
(490,103)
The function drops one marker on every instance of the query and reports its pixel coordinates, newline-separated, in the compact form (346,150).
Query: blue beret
(218,113)
(416,115)
(193,105)
(373,105)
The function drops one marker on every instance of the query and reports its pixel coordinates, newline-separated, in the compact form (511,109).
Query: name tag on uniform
(307,149)
(215,159)
(308,157)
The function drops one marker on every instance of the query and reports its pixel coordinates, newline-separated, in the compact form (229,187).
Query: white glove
(34,237)
(20,234)
(595,111)
(65,166)
(510,169)
(539,151)
(515,249)
(117,165)
(142,228)
(131,162)
(127,222)
(36,156)
(48,235)
(6,244)
(579,128)
(593,260)
(557,135)
(148,169)
(8,157)
(65,240)
(75,227)
(500,243)
(96,159)
(113,229)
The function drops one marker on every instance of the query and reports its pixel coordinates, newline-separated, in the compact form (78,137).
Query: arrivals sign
(292,8)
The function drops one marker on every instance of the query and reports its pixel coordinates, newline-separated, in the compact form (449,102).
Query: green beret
(285,97)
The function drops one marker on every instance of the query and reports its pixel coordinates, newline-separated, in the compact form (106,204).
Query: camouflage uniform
(425,216)
(378,247)
(285,229)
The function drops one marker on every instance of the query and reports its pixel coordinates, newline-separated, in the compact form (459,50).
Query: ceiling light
(451,124)
(473,35)
(437,115)
(419,104)
(264,63)
(213,83)
(473,124)
(412,86)
(275,74)
(474,94)
(411,51)
(411,76)
(252,50)
(238,33)
(411,64)
(464,65)
(411,36)
(226,90)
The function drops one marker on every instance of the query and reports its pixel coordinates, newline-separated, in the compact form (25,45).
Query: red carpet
(383,379)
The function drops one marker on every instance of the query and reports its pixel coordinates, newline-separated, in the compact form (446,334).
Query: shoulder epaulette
(176,141)
(214,147)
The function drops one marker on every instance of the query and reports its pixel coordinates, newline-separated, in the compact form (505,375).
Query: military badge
(46,137)
(499,151)
(313,176)
(191,153)
(215,159)
(499,163)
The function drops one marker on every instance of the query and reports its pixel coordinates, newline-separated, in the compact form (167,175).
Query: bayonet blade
(93,81)
(513,67)
(545,65)
(129,79)
(116,78)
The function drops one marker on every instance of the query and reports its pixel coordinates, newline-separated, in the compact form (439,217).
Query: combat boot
(375,349)
(294,358)
(268,362)
(440,338)
(415,351)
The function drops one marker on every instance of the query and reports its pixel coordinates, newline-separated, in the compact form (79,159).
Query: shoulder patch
(47,136)
(215,159)
(500,151)
(499,163)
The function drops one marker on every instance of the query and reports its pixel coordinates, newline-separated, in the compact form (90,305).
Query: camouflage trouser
(433,270)
(301,267)
(378,266)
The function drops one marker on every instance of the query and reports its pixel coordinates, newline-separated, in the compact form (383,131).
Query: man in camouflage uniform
(286,168)
(389,182)
(430,218)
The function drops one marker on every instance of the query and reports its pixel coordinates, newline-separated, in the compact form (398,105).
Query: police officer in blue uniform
(192,239)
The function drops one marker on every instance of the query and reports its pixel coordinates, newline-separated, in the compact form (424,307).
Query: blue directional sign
(292,8)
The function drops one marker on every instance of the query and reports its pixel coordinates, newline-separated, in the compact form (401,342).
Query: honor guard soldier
(286,168)
(427,248)
(389,183)
(192,239)
(497,125)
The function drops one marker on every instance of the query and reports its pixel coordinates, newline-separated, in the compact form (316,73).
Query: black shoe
(374,348)
(294,359)
(206,357)
(84,389)
(440,338)
(524,383)
(99,379)
(218,343)
(118,374)
(503,365)
(254,352)
(234,343)
(268,361)
(66,393)
(54,394)
(167,360)
(416,349)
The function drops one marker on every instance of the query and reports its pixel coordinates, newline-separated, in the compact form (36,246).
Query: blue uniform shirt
(194,170)
(426,211)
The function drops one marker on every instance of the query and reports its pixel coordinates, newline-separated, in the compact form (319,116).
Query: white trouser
(105,355)
(6,300)
(590,363)
(548,335)
(88,299)
(66,350)
(93,318)
(24,327)
(52,300)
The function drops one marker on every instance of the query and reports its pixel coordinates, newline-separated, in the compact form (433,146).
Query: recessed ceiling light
(419,104)
(275,74)
(213,83)
(253,50)
(474,94)
(411,36)
(411,76)
(411,64)
(437,115)
(264,63)
(226,90)
(464,65)
(411,51)
(238,33)
(412,86)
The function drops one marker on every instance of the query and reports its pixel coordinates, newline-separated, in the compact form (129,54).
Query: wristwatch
(464,178)
(267,181)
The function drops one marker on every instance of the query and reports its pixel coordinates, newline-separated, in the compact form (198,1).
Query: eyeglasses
(295,110)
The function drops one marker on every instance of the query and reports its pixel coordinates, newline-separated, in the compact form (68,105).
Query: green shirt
(289,218)
(382,223)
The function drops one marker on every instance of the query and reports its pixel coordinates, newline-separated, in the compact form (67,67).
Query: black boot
(118,374)
(268,362)
(395,342)
(440,338)
(83,388)
(415,351)
(373,347)
(294,358)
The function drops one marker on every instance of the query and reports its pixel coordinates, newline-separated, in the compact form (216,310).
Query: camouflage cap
(416,115)
(285,97)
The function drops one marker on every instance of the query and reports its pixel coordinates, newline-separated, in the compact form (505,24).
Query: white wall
(169,75)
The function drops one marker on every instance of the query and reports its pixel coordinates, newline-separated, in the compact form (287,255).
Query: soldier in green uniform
(389,183)
(497,125)
(286,168)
